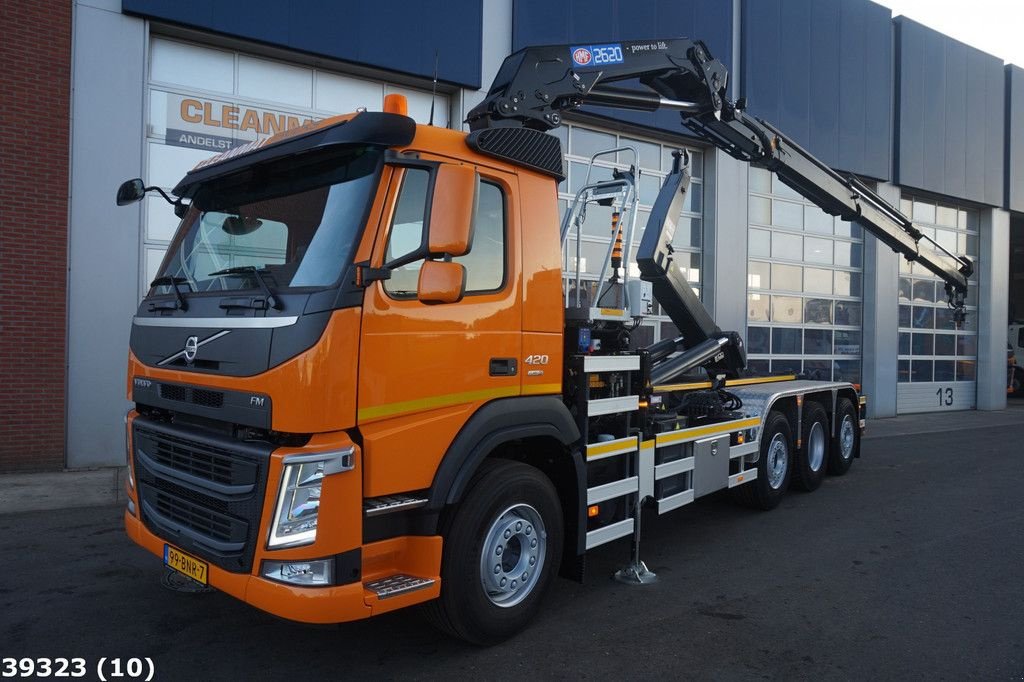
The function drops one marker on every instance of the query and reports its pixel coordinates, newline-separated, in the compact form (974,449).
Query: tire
(846,441)
(774,466)
(1017,382)
(505,507)
(812,459)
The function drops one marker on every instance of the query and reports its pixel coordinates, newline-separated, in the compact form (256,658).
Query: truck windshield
(296,224)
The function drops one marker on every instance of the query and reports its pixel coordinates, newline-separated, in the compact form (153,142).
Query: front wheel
(502,547)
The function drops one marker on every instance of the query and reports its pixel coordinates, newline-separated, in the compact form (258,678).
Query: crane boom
(535,85)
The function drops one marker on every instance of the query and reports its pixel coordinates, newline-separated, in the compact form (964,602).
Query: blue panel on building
(950,116)
(821,70)
(554,22)
(1014,167)
(388,35)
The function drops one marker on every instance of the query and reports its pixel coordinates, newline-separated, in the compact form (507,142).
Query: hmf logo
(581,56)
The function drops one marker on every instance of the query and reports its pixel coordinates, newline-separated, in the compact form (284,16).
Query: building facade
(150,88)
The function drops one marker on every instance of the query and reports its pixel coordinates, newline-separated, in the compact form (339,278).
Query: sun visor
(366,128)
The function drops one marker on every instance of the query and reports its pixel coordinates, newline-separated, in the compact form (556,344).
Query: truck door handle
(503,367)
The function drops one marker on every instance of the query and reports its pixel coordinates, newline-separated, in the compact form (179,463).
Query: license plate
(186,564)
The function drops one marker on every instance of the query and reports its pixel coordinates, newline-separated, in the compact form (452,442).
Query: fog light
(131,507)
(307,573)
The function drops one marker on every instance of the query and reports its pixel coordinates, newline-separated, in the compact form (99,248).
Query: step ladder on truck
(404,402)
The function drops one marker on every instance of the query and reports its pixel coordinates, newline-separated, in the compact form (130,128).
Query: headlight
(298,502)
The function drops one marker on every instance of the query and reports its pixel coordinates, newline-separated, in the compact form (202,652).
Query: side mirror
(131,191)
(441,282)
(451,210)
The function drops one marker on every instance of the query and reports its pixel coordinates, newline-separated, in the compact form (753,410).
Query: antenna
(433,93)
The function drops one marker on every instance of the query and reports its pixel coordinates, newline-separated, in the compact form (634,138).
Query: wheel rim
(513,555)
(816,446)
(778,459)
(846,437)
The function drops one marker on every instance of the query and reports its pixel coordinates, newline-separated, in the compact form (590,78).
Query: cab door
(425,368)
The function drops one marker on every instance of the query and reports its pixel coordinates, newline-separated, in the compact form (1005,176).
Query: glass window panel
(787,309)
(818,341)
(758,307)
(967,345)
(945,344)
(668,331)
(816,220)
(904,343)
(785,341)
(276,81)
(905,315)
(924,212)
(844,228)
(641,337)
(785,366)
(758,340)
(817,250)
(972,295)
(689,266)
(906,289)
(847,370)
(578,176)
(924,318)
(583,142)
(760,243)
(972,245)
(903,371)
(905,266)
(924,290)
(787,214)
(758,275)
(649,186)
(696,164)
(944,319)
(788,246)
(192,66)
(688,230)
(786,277)
(848,313)
(649,153)
(760,180)
(817,311)
(485,262)
(945,215)
(818,281)
(921,370)
(946,239)
(971,323)
(693,201)
(847,342)
(758,367)
(782,189)
(849,254)
(923,344)
(965,370)
(970,221)
(760,210)
(944,370)
(906,207)
(849,283)
(818,370)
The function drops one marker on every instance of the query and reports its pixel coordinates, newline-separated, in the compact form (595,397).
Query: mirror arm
(179,208)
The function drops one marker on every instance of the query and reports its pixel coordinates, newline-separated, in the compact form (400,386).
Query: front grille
(196,396)
(211,463)
(201,492)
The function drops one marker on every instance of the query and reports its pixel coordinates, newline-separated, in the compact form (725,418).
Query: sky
(993,26)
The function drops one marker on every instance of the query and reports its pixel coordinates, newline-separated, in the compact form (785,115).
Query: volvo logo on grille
(191,346)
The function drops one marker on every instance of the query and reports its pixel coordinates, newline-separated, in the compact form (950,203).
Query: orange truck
(362,380)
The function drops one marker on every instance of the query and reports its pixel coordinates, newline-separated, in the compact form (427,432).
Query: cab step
(377,506)
(394,585)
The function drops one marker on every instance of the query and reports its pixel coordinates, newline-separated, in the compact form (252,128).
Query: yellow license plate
(187,564)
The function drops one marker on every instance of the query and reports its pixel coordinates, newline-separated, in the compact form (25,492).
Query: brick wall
(35,63)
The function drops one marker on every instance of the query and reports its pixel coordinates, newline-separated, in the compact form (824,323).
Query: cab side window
(485,263)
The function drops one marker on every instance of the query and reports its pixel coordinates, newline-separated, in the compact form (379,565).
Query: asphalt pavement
(910,566)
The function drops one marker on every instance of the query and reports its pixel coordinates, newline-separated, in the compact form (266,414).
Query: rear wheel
(812,459)
(773,466)
(502,546)
(846,438)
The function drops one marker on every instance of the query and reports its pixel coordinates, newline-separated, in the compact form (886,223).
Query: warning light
(396,104)
(593,510)
(740,439)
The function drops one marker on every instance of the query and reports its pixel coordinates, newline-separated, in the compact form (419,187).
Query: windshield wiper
(173,282)
(257,274)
